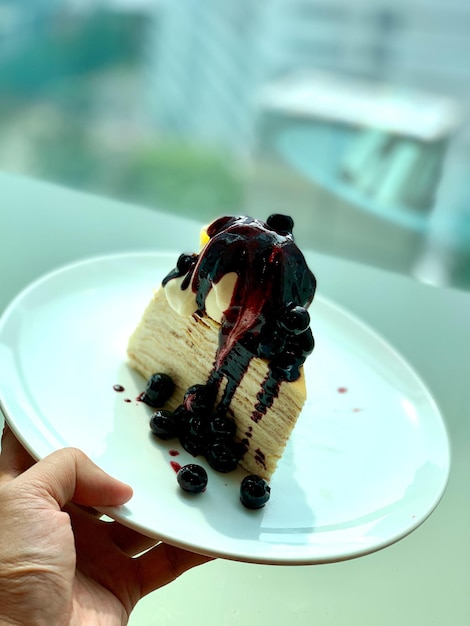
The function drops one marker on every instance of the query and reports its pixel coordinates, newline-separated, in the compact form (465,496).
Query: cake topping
(158,390)
(192,478)
(252,278)
(254,492)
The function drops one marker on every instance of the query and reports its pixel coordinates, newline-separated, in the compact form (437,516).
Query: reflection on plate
(367,463)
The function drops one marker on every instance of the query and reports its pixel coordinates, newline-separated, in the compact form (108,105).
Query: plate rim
(117,512)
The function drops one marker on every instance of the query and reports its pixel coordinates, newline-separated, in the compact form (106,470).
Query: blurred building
(208,59)
(419,43)
(206,66)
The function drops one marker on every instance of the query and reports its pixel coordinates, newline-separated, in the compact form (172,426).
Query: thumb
(68,475)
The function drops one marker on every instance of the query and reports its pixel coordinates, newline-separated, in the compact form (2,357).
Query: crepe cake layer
(234,320)
(184,348)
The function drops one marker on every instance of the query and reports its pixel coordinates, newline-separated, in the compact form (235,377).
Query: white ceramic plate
(367,463)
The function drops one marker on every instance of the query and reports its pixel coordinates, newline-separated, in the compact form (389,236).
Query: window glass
(353,117)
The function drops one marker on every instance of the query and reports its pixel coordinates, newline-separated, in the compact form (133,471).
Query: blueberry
(295,320)
(182,417)
(286,367)
(197,399)
(306,342)
(301,345)
(158,390)
(271,346)
(163,424)
(192,478)
(282,224)
(185,262)
(222,457)
(221,427)
(254,491)
(193,435)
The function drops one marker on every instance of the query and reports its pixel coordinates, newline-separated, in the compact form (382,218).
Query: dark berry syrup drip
(234,367)
(184,266)
(266,396)
(284,366)
(267,315)
(260,458)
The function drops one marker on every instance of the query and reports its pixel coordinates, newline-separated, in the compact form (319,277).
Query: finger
(14,459)
(86,522)
(130,541)
(162,565)
(90,510)
(69,475)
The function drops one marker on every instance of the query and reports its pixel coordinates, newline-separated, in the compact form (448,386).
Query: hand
(59,563)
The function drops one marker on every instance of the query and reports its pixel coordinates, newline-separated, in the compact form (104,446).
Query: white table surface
(422,580)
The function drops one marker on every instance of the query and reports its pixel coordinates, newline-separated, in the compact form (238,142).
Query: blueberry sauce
(260,458)
(267,314)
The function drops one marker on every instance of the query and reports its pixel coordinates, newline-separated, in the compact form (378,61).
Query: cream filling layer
(218,300)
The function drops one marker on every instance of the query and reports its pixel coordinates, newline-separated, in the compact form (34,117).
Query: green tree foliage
(182,177)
